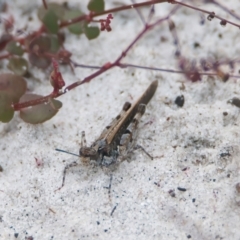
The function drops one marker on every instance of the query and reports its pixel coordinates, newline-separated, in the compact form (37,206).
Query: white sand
(196,137)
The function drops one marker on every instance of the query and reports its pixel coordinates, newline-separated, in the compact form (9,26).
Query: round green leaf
(96,5)
(12,85)
(39,113)
(18,65)
(15,48)
(50,21)
(6,109)
(76,28)
(91,32)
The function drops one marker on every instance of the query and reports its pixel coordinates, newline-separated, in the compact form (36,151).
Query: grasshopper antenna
(60,150)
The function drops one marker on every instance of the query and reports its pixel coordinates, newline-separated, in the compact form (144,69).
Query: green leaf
(18,65)
(55,44)
(4,40)
(40,62)
(91,32)
(15,48)
(55,7)
(50,21)
(37,47)
(96,5)
(76,28)
(41,43)
(39,113)
(6,109)
(12,85)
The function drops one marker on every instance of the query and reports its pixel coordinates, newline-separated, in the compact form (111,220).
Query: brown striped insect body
(117,140)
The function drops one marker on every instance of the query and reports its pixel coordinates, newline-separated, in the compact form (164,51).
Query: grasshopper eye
(100,148)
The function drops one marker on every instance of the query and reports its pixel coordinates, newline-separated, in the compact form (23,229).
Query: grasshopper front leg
(74,164)
(84,151)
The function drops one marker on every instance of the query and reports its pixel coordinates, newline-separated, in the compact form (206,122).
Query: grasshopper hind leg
(128,139)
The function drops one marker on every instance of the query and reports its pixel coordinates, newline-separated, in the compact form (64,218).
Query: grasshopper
(117,141)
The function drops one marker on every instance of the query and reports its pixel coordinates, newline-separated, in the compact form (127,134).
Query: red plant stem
(204,11)
(88,79)
(45,4)
(116,63)
(124,53)
(147,3)
(19,106)
(105,68)
(118,9)
(225,9)
(124,65)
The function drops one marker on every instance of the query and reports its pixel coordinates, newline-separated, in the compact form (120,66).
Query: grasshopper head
(88,152)
(94,153)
